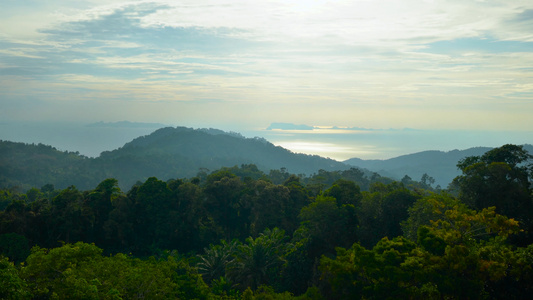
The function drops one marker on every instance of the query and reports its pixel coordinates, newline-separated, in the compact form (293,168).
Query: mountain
(34,165)
(166,153)
(182,152)
(440,165)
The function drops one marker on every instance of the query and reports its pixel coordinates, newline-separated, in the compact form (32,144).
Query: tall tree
(66,222)
(462,254)
(97,206)
(498,178)
(153,202)
(226,205)
(329,225)
(383,209)
(258,261)
(270,207)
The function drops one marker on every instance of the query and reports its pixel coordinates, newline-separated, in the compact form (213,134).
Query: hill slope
(28,165)
(442,166)
(182,152)
(166,153)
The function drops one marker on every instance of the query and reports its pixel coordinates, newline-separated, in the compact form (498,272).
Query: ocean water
(384,144)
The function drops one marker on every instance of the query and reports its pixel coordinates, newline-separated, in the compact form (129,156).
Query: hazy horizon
(457,72)
(90,139)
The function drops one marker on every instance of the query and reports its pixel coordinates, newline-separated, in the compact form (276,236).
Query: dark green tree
(498,178)
(153,204)
(382,211)
(271,206)
(226,205)
(97,206)
(329,225)
(14,246)
(345,192)
(65,221)
(258,261)
(462,254)
(213,263)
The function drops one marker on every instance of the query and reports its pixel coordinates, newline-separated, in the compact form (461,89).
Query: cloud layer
(380,64)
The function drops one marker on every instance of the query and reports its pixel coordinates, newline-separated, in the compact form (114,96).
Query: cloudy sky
(428,65)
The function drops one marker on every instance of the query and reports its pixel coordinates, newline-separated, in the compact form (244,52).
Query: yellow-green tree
(79,271)
(461,254)
(498,178)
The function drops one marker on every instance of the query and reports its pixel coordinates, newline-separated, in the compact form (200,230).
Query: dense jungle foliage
(238,233)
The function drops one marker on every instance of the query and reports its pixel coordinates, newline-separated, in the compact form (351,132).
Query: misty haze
(298,149)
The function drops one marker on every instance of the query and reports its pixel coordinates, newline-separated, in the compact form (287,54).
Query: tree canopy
(238,233)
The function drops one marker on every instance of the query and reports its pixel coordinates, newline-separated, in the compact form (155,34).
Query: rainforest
(240,233)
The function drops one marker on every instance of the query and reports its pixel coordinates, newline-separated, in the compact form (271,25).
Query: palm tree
(257,261)
(213,263)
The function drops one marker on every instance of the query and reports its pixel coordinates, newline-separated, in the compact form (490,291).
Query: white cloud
(356,62)
(21,52)
(347,22)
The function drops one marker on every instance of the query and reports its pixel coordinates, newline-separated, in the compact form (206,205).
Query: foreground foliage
(463,255)
(238,233)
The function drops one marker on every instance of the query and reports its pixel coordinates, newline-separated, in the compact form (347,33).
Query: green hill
(440,165)
(166,153)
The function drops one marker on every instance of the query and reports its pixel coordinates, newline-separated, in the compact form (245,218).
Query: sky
(454,66)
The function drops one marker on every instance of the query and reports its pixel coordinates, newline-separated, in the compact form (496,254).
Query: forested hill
(166,153)
(34,165)
(440,165)
(182,152)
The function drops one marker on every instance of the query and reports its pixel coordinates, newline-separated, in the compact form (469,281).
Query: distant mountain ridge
(182,152)
(166,153)
(440,165)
